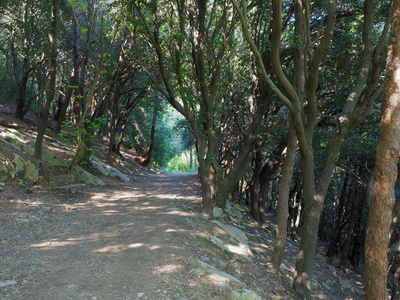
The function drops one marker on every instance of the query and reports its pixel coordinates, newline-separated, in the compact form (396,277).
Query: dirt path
(144,239)
(119,243)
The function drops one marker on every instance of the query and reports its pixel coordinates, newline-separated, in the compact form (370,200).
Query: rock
(13,138)
(250,295)
(29,147)
(218,242)
(235,220)
(218,212)
(19,163)
(245,295)
(235,295)
(22,220)
(7,170)
(98,165)
(327,287)
(173,209)
(51,158)
(321,257)
(233,211)
(107,170)
(346,284)
(131,167)
(314,284)
(7,283)
(236,233)
(84,176)
(3,169)
(241,249)
(31,174)
(219,277)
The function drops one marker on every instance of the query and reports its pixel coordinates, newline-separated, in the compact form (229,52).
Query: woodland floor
(135,240)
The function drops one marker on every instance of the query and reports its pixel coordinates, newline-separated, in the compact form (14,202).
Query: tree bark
(255,209)
(44,116)
(387,155)
(357,196)
(283,201)
(147,158)
(333,246)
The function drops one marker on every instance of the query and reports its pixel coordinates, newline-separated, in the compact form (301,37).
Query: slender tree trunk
(396,278)
(350,227)
(387,155)
(333,246)
(152,134)
(313,203)
(255,209)
(283,201)
(44,117)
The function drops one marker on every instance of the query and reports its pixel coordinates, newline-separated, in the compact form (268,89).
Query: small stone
(71,286)
(174,209)
(22,220)
(218,212)
(7,283)
(82,295)
(139,295)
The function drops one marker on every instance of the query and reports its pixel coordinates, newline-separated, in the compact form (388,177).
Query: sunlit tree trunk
(387,155)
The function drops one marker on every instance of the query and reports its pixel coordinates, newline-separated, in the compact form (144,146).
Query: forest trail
(143,239)
(121,242)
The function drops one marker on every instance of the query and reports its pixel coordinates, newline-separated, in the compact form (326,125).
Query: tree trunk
(350,227)
(147,158)
(396,277)
(255,209)
(387,155)
(266,175)
(333,246)
(313,206)
(283,201)
(44,116)
(296,208)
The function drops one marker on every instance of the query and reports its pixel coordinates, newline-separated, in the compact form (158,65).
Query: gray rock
(220,276)
(107,170)
(233,211)
(31,173)
(236,233)
(7,283)
(51,158)
(218,212)
(245,295)
(84,176)
(174,209)
(19,163)
(22,220)
(218,242)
